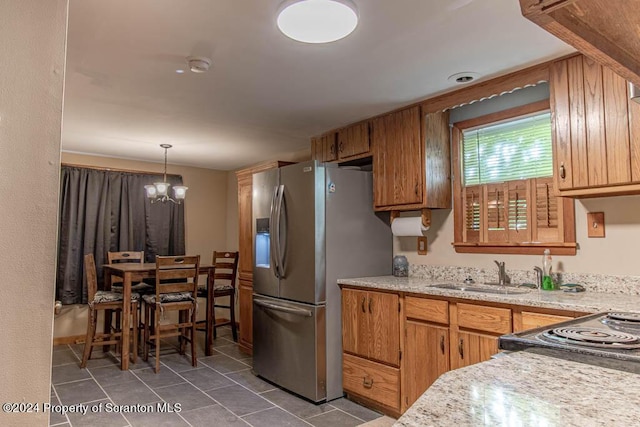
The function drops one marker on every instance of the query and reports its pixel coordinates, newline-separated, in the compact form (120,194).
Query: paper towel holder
(425,215)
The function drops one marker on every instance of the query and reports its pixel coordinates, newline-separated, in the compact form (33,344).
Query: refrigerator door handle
(277,307)
(281,249)
(274,234)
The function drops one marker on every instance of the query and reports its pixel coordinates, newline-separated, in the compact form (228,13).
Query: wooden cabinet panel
(353,141)
(371,325)
(532,320)
(384,327)
(426,358)
(372,380)
(481,318)
(468,348)
(429,310)
(245,260)
(354,322)
(245,304)
(596,148)
(398,159)
(600,29)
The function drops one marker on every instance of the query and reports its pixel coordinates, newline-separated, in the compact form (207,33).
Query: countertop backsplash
(606,283)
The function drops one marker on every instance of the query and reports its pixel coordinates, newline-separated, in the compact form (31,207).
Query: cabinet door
(245,262)
(426,352)
(355,322)
(468,348)
(384,327)
(330,147)
(353,140)
(245,303)
(594,150)
(317,149)
(398,159)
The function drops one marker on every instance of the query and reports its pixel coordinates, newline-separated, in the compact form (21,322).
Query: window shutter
(519,212)
(548,211)
(472,201)
(496,213)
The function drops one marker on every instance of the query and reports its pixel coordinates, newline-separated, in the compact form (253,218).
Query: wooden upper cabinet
(596,130)
(605,30)
(353,141)
(411,166)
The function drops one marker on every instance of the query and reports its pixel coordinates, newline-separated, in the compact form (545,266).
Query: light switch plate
(422,245)
(595,224)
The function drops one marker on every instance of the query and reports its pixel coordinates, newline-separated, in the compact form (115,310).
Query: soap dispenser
(547,281)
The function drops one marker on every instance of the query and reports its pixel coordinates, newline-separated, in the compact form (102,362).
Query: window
(503,192)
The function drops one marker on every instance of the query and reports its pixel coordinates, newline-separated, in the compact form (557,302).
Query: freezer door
(288,345)
(265,187)
(302,232)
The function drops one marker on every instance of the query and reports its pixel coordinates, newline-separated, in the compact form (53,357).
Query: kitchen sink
(485,290)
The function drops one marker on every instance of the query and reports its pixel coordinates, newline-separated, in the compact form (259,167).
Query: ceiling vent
(199,64)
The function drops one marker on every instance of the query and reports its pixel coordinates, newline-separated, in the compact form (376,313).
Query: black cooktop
(603,339)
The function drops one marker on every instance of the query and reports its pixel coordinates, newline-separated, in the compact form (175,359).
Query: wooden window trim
(567,247)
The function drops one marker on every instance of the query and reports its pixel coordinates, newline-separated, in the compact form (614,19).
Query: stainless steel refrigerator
(313,223)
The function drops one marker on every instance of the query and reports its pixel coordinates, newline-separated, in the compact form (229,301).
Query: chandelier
(159,191)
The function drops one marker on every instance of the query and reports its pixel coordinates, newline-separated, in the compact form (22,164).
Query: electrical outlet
(422,245)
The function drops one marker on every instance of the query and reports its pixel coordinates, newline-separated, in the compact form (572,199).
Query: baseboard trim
(74,339)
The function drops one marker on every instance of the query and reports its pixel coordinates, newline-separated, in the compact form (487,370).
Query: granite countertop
(591,302)
(525,389)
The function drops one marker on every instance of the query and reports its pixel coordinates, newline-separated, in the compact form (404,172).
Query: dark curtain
(102,211)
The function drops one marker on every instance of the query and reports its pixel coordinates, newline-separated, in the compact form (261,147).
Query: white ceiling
(265,94)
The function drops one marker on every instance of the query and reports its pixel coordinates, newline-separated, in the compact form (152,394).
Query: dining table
(135,273)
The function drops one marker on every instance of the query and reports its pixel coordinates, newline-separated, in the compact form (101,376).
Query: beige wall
(614,254)
(32,42)
(205,219)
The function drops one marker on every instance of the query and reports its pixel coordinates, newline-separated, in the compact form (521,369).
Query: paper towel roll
(410,226)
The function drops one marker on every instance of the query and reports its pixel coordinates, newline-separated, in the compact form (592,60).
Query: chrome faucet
(538,271)
(502,275)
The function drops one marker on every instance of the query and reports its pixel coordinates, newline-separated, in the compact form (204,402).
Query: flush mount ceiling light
(159,191)
(317,21)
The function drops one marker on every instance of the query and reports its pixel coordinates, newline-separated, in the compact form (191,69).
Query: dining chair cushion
(107,296)
(222,287)
(170,297)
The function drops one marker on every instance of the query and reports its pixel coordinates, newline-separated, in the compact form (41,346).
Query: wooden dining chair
(176,290)
(127,256)
(109,302)
(224,284)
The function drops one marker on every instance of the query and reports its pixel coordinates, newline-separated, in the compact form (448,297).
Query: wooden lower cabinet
(530,320)
(426,357)
(469,348)
(245,304)
(376,382)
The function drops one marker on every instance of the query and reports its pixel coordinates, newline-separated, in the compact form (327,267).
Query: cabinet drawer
(537,320)
(481,318)
(372,380)
(430,310)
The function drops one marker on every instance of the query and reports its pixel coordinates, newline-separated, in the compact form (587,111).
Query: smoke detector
(198,64)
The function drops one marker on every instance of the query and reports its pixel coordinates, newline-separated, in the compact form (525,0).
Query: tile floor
(220,392)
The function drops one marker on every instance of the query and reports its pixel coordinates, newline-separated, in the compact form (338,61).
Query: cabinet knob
(370,305)
(442,344)
(341,147)
(363,310)
(367,382)
(332,149)
(563,173)
(461,348)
